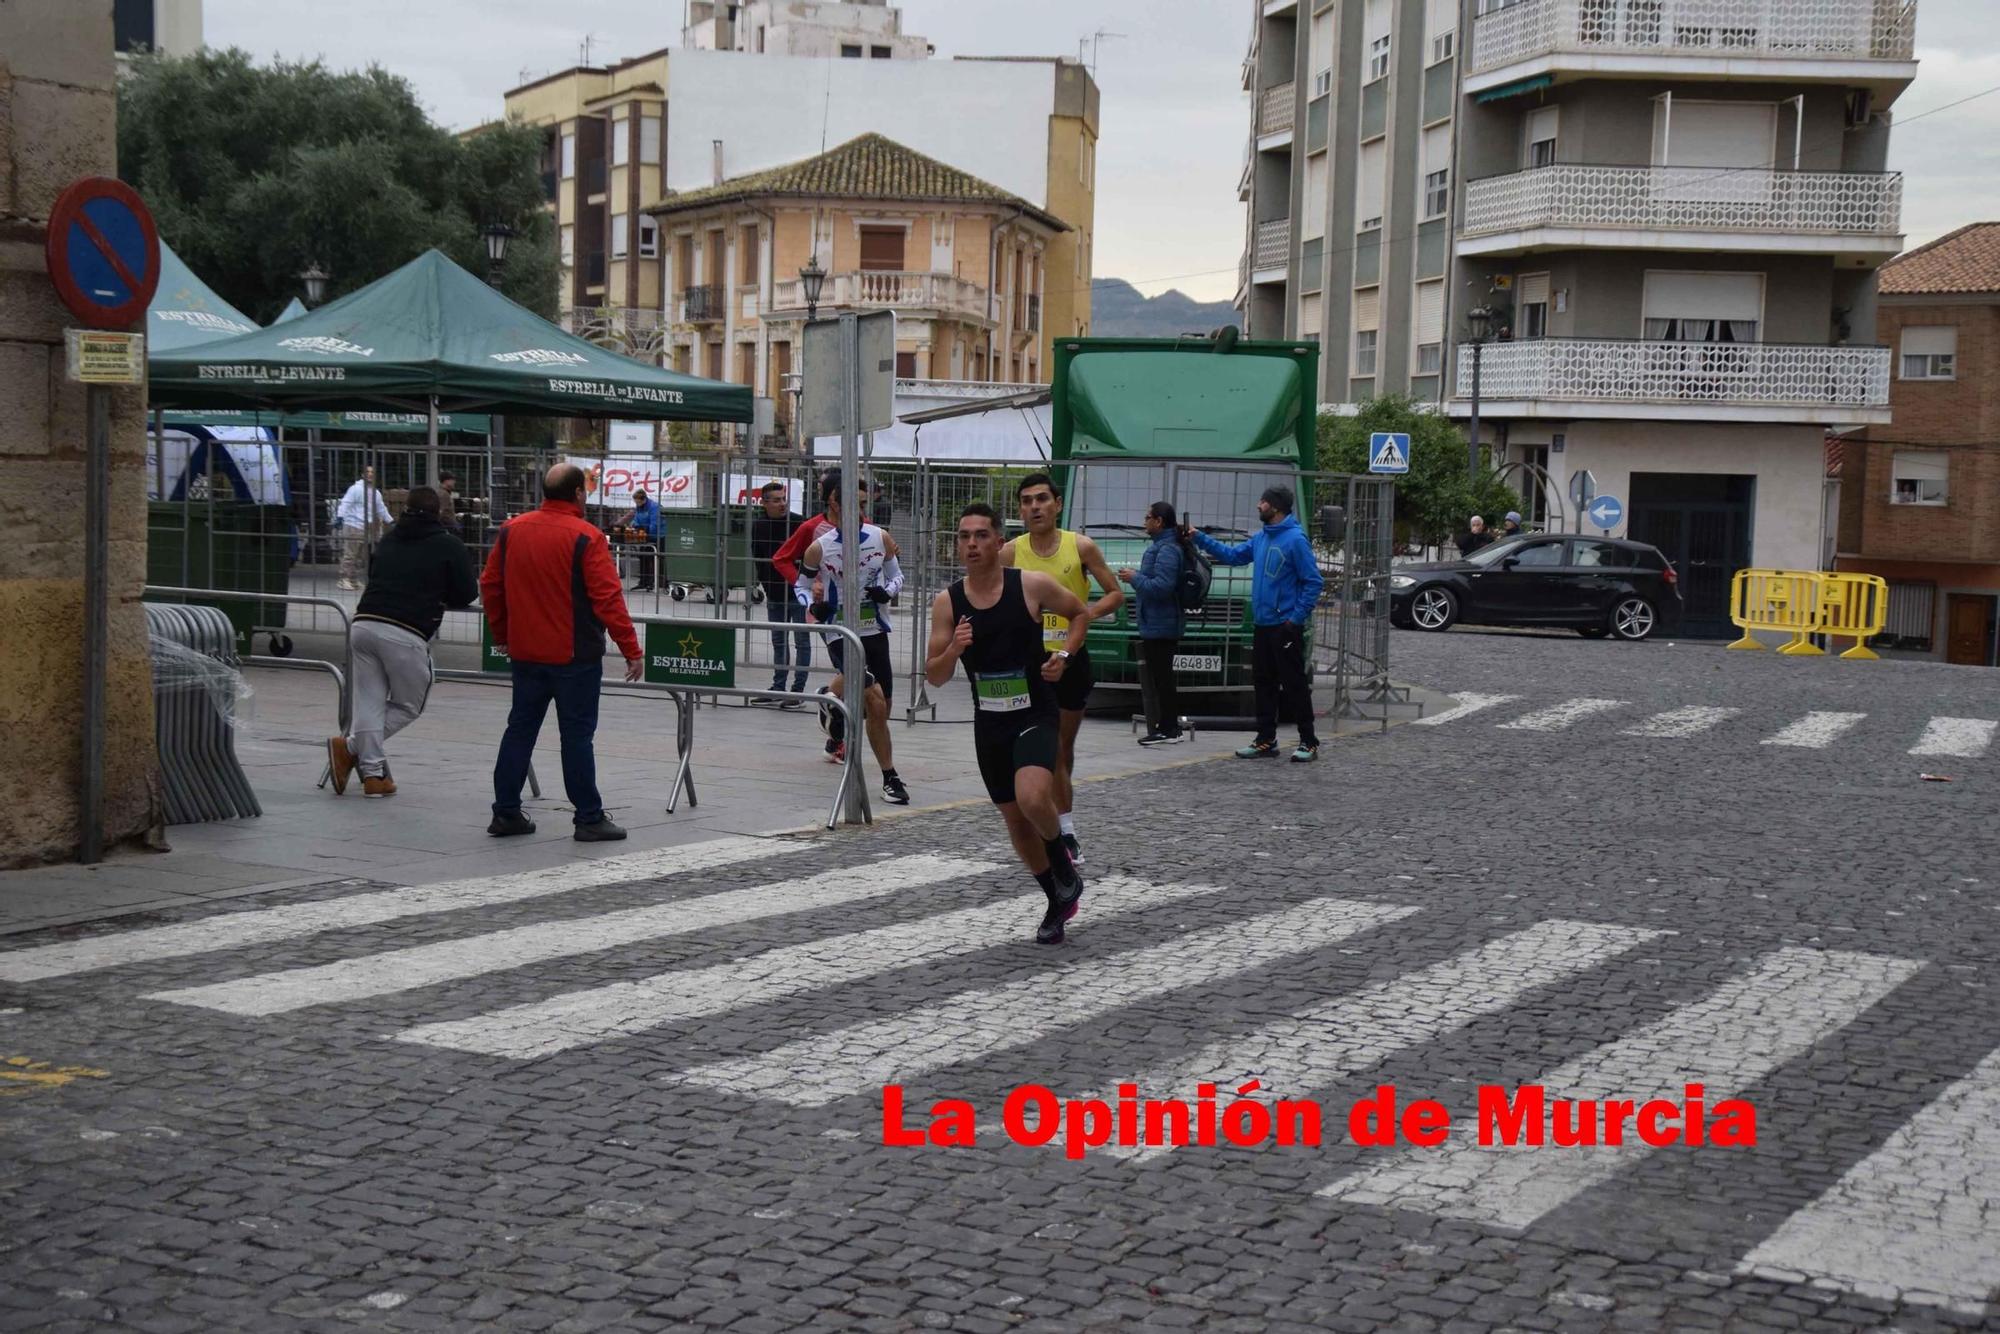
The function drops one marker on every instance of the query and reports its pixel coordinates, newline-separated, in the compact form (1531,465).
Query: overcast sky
(1175,119)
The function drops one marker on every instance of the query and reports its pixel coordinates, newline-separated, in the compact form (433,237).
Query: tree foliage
(256,172)
(1436,498)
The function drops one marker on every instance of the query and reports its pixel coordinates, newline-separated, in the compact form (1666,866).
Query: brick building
(1920,500)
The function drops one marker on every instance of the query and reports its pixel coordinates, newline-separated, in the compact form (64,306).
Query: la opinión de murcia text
(1523,1116)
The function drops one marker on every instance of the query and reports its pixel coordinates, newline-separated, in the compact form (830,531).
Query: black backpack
(1196,572)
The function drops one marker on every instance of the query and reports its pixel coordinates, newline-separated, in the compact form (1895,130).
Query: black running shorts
(1006,747)
(1073,691)
(875,653)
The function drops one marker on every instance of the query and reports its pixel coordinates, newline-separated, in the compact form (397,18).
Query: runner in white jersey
(821,573)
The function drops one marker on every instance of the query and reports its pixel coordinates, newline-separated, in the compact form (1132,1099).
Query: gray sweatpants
(392,679)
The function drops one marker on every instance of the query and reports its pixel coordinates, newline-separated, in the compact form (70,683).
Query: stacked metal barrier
(195,676)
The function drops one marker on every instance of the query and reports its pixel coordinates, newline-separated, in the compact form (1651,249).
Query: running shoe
(791,705)
(826,713)
(1305,754)
(763,699)
(894,792)
(1154,739)
(1074,849)
(1062,906)
(836,751)
(1258,750)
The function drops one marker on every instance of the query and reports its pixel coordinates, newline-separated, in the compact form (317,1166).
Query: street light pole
(1480,319)
(812,281)
(497,235)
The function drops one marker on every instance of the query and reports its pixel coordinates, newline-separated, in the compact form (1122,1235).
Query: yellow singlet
(1066,568)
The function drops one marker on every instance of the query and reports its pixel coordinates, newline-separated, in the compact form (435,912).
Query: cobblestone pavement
(649,1097)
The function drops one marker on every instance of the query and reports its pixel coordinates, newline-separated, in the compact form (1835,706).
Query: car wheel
(1633,619)
(281,646)
(1433,609)
(1593,631)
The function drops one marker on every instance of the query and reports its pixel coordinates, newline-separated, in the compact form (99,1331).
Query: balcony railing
(1589,370)
(891,290)
(1757,29)
(1711,199)
(707,304)
(1274,245)
(630,330)
(1275,109)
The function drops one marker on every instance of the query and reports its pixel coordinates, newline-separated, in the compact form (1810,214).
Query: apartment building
(962,263)
(1669,213)
(613,150)
(1920,498)
(170,27)
(854,30)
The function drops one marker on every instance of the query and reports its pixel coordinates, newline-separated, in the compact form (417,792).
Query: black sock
(887,774)
(1047,880)
(837,728)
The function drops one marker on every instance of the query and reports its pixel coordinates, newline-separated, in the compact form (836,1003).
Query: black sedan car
(1596,585)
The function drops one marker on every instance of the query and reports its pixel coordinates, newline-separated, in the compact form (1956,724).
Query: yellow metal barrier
(1854,606)
(1786,601)
(1804,603)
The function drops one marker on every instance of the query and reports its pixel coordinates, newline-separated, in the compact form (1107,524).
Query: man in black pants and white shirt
(992,621)
(419,569)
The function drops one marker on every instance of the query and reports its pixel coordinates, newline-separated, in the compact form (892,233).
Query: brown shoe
(377,787)
(340,763)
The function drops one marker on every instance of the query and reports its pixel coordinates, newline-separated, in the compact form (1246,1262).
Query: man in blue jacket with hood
(1284,588)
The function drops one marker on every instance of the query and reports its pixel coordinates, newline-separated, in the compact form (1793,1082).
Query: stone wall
(58,122)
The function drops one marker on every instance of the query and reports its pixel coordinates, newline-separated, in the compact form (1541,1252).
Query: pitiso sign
(686,656)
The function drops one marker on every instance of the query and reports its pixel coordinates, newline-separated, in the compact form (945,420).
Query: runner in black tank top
(992,621)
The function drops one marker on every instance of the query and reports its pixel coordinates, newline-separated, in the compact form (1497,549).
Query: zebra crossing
(1946,737)
(1911,1215)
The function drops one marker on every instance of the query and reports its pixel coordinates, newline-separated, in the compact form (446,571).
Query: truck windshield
(1215,499)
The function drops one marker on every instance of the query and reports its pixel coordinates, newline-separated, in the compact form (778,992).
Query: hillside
(1118,310)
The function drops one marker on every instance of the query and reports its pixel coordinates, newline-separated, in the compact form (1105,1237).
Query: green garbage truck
(1205,423)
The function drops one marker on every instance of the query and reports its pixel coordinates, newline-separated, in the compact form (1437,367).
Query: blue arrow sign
(1606,512)
(1389,451)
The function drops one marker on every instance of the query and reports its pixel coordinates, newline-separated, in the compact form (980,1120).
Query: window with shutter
(1919,479)
(1436,199)
(1532,297)
(1703,307)
(621,142)
(882,249)
(1312,223)
(1429,325)
(649,140)
(1441,25)
(1368,186)
(1368,308)
(1541,137)
(1930,352)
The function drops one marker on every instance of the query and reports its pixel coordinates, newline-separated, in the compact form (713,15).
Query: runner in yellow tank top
(1073,560)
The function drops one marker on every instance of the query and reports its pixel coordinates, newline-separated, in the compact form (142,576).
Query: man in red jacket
(551,591)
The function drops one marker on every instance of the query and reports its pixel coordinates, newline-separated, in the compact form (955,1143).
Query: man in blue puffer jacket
(1284,588)
(1157,584)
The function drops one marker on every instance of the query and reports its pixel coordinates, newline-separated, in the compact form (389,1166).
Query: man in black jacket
(419,569)
(772,524)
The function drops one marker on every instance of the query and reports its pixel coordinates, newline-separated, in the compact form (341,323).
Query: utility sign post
(849,372)
(103,257)
(1389,452)
(1606,512)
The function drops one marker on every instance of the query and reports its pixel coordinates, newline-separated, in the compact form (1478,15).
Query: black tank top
(1005,660)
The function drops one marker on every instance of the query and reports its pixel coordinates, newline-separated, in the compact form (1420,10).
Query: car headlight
(1402,581)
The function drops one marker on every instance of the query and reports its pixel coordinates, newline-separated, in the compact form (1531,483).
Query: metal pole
(431,446)
(1472,432)
(855,672)
(96,621)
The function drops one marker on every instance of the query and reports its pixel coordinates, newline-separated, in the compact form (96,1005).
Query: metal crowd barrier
(1809,603)
(199,774)
(850,796)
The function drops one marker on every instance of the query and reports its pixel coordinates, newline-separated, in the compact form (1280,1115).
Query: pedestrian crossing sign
(1389,451)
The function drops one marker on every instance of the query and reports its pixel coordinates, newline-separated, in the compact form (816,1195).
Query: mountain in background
(1118,310)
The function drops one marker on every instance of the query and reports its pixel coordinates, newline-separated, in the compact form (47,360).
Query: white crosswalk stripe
(451,960)
(1917,1215)
(1690,721)
(262,926)
(1312,1049)
(1727,1041)
(1557,717)
(1964,738)
(1468,703)
(542,1028)
(1816,731)
(816,1070)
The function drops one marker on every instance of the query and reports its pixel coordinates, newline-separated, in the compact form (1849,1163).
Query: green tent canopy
(432,336)
(293,309)
(186,311)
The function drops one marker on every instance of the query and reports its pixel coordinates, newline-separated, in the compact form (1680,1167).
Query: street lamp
(812,279)
(1480,320)
(315,280)
(497,235)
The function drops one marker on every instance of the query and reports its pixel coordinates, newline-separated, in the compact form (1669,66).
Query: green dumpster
(688,549)
(231,546)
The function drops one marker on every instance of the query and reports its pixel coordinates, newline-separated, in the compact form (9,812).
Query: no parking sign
(103,252)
